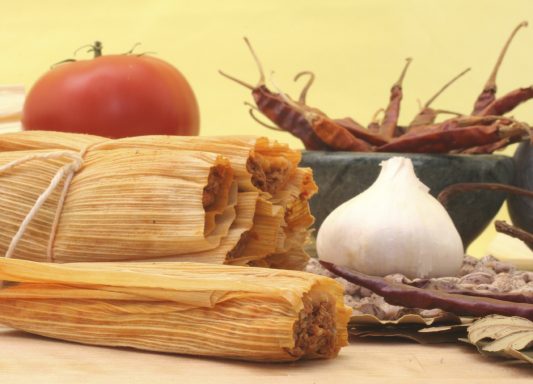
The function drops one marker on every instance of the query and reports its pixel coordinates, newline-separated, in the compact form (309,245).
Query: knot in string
(68,170)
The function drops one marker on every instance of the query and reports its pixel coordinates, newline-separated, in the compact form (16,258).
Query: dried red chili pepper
(489,148)
(461,121)
(484,132)
(353,127)
(360,132)
(390,118)
(279,110)
(450,136)
(488,94)
(508,102)
(412,297)
(336,136)
(506,296)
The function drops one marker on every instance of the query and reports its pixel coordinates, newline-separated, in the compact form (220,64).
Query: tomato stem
(96,49)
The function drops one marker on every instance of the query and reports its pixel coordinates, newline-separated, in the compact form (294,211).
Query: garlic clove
(395,226)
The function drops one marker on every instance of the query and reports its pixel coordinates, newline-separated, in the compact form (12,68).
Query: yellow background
(355,48)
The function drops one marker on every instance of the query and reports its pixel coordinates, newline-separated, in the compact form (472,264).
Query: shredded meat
(276,178)
(259,178)
(214,184)
(315,331)
(240,247)
(268,176)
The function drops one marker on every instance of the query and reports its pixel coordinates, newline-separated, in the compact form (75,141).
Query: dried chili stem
(445,194)
(305,89)
(412,297)
(251,110)
(390,119)
(445,86)
(525,236)
(489,91)
(428,115)
(257,61)
(259,67)
(238,81)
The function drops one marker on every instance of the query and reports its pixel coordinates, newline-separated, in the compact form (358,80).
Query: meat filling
(240,247)
(214,185)
(268,175)
(315,331)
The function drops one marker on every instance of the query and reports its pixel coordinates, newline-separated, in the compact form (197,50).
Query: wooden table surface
(33,359)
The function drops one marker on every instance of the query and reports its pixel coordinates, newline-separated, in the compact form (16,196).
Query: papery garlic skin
(395,226)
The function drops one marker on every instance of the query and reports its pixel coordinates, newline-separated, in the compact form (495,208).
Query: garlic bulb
(395,226)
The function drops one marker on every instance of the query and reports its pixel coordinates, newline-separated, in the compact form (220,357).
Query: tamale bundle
(266,214)
(187,308)
(123,204)
(270,168)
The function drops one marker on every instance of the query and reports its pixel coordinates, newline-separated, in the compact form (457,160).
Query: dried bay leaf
(413,327)
(367,319)
(510,337)
(412,333)
(465,322)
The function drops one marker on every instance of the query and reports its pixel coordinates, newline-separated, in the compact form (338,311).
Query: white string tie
(68,170)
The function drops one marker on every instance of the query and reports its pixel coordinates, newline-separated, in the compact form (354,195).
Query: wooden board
(34,359)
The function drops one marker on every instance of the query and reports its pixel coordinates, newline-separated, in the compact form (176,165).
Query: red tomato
(113,96)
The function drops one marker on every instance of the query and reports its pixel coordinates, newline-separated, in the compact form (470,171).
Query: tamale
(289,253)
(123,204)
(259,165)
(187,308)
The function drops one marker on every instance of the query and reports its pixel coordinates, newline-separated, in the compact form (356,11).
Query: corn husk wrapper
(44,140)
(279,224)
(188,308)
(123,204)
(258,162)
(268,157)
(233,243)
(260,165)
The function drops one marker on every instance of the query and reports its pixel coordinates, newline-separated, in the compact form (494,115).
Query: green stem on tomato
(96,49)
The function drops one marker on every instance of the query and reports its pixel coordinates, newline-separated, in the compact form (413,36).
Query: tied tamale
(123,204)
(187,308)
(270,209)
